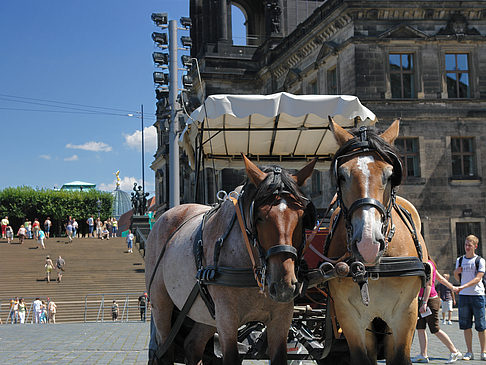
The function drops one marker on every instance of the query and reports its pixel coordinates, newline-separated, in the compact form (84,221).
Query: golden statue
(117,174)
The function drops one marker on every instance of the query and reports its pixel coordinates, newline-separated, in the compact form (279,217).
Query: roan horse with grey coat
(275,214)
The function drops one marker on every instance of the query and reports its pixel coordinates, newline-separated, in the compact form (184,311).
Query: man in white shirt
(36,307)
(471,295)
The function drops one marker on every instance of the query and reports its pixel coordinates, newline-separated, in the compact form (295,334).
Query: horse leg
(162,307)
(397,346)
(277,332)
(227,324)
(195,342)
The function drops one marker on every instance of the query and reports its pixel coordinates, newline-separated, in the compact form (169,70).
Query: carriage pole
(174,194)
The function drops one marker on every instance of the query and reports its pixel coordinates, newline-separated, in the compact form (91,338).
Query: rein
(260,284)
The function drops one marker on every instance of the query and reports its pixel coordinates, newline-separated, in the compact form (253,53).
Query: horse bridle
(249,219)
(360,145)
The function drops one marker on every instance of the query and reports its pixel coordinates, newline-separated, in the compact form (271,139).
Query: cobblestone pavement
(127,343)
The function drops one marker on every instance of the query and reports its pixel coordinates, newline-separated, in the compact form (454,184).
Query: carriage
(287,130)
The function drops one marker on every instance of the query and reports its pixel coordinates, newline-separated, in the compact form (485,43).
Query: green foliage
(25,203)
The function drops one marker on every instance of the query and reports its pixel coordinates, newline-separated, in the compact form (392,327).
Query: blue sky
(70,73)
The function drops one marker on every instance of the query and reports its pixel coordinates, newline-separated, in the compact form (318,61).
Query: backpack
(476,262)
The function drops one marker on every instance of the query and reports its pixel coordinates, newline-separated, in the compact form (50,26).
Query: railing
(97,307)
(94,308)
(141,239)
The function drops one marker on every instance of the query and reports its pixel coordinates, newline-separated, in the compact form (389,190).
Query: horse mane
(278,181)
(386,151)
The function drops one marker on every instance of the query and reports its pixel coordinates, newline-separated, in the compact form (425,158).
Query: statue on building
(117,174)
(275,12)
(139,200)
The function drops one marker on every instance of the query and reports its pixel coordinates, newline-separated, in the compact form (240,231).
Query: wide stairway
(96,273)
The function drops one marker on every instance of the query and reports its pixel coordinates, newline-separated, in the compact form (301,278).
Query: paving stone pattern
(127,343)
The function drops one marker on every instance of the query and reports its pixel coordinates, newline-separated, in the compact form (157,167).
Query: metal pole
(143,163)
(174,188)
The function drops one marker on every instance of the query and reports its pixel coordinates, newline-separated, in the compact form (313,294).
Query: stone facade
(394,57)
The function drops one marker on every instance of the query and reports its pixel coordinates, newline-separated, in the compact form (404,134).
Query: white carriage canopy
(283,128)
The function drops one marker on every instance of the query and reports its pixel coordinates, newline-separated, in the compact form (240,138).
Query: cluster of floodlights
(162,59)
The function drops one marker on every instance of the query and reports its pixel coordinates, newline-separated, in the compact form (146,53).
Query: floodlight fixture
(159,18)
(187,81)
(186,41)
(161,94)
(160,38)
(186,22)
(160,58)
(161,78)
(186,61)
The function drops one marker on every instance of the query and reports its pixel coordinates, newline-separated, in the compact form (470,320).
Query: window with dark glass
(312,88)
(464,229)
(332,81)
(409,151)
(402,82)
(463,157)
(457,75)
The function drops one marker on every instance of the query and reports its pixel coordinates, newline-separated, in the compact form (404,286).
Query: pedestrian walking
(114,311)
(28,229)
(37,309)
(130,239)
(22,233)
(49,266)
(4,224)
(60,264)
(21,310)
(47,227)
(99,228)
(114,226)
(9,233)
(52,309)
(90,221)
(69,228)
(36,228)
(448,299)
(75,228)
(469,272)
(142,306)
(41,237)
(14,307)
(43,316)
(429,315)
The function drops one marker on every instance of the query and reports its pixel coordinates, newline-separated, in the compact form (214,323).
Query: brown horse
(378,316)
(275,214)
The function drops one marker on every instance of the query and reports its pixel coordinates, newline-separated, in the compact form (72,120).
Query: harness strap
(247,242)
(161,350)
(316,229)
(407,217)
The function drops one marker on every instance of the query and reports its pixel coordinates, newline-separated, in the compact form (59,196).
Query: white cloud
(45,157)
(91,146)
(72,158)
(126,184)
(134,140)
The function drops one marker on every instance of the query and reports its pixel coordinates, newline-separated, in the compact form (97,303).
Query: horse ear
(391,133)
(255,175)
(341,135)
(304,173)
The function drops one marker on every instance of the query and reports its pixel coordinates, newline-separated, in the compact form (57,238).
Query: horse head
(278,214)
(366,171)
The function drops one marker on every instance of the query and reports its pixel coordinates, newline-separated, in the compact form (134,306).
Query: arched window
(238,26)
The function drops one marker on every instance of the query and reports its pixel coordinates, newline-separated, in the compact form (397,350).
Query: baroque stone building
(424,62)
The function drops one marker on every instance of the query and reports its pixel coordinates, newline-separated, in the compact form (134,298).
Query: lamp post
(98,203)
(143,160)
